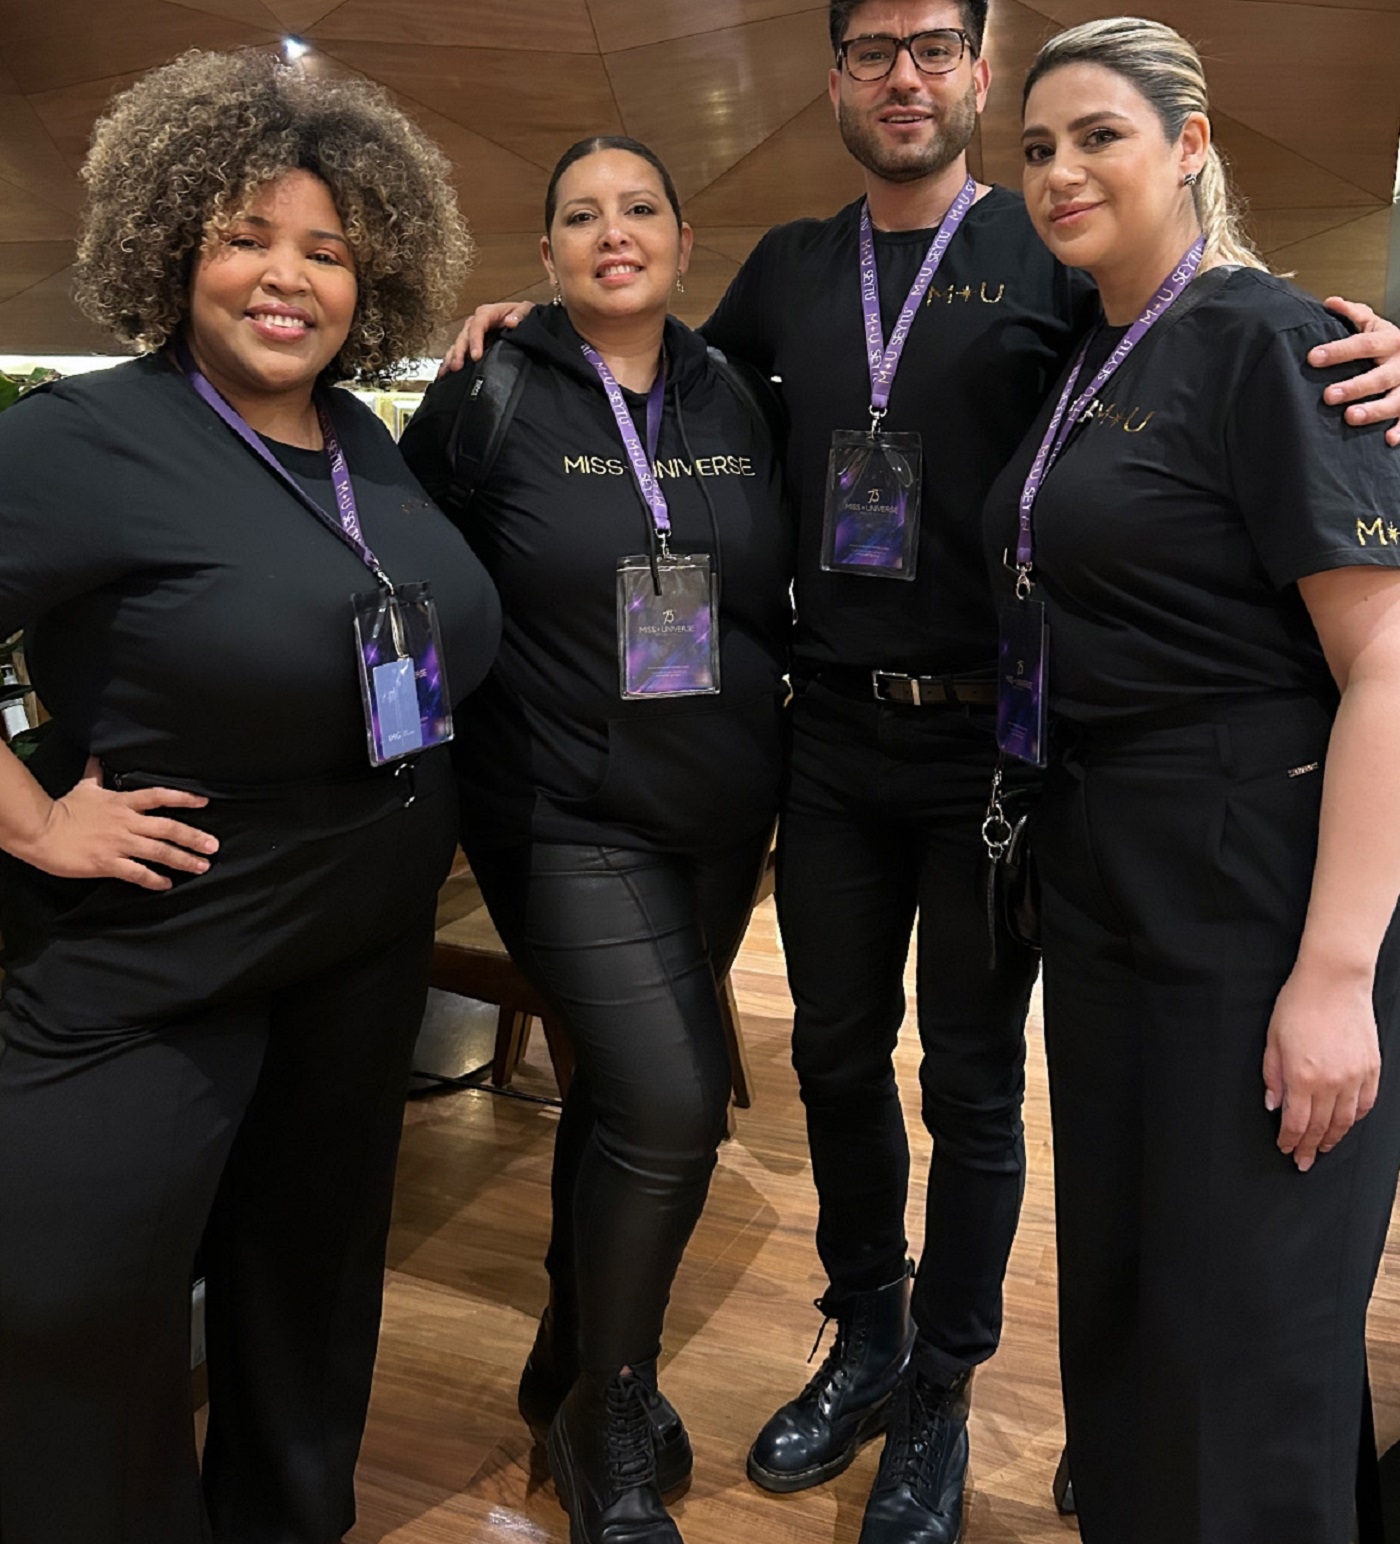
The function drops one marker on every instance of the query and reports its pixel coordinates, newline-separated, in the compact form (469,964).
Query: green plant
(13,387)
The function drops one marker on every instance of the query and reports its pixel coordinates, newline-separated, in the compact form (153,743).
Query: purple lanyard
(348,526)
(884,362)
(643,458)
(1066,418)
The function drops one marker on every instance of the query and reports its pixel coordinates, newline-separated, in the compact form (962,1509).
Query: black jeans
(226,1060)
(1212,1299)
(627,947)
(883,820)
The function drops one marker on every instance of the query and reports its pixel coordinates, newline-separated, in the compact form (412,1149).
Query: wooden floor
(446,1456)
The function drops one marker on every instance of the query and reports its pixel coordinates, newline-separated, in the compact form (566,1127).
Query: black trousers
(225,1061)
(1212,1299)
(627,947)
(883,821)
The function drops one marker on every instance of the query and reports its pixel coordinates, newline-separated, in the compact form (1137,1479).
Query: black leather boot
(604,1466)
(815,1436)
(918,1494)
(551,1370)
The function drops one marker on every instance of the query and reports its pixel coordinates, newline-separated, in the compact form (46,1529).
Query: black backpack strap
(479,429)
(756,392)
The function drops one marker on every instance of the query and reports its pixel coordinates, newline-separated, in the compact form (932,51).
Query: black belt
(914,691)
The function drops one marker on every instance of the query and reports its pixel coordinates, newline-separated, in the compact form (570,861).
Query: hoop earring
(1191,179)
(680,282)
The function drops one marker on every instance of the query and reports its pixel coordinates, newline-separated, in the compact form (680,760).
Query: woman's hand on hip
(94,833)
(1322,1062)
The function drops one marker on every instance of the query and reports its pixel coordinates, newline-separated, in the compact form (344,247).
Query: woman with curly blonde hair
(219,870)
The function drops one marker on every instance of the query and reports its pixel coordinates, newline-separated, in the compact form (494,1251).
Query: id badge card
(1023,659)
(667,644)
(873,487)
(403,682)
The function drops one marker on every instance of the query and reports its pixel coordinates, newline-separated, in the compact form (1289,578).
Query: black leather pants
(627,946)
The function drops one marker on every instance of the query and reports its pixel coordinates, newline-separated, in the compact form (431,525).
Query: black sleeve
(742,324)
(1316,492)
(59,537)
(424,443)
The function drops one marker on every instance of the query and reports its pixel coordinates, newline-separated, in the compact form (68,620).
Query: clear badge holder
(873,487)
(667,644)
(1023,657)
(403,681)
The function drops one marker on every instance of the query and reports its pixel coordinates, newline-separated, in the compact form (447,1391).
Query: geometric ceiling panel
(634,23)
(535,104)
(1275,177)
(739,86)
(297,15)
(69,113)
(29,158)
(1275,230)
(28,263)
(802,170)
(549,26)
(1349,261)
(23,217)
(252,12)
(732,95)
(1261,75)
(498,190)
(30,322)
(57,42)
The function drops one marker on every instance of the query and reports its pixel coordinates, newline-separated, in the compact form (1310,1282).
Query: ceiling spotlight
(294,48)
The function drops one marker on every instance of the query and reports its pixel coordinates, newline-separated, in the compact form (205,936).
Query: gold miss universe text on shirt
(1377,533)
(1108,415)
(676,466)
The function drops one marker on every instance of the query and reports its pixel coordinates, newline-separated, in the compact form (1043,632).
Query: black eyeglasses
(934,53)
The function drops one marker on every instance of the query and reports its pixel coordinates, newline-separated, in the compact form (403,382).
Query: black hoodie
(548,750)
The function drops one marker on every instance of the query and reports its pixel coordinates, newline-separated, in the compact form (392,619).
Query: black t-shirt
(187,615)
(554,752)
(993,332)
(1170,535)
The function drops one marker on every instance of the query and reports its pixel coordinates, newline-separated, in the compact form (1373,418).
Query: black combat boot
(604,1465)
(551,1370)
(816,1435)
(918,1494)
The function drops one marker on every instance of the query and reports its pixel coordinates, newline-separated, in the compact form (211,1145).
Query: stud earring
(1191,179)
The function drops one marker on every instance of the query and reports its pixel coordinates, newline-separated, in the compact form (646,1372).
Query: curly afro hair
(181,152)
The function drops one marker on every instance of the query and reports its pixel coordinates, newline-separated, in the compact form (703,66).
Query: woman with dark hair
(221,868)
(1212,552)
(619,779)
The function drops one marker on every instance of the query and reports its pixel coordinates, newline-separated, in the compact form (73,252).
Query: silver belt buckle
(879,677)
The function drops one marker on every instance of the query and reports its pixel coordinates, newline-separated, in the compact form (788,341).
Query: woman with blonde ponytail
(1202,586)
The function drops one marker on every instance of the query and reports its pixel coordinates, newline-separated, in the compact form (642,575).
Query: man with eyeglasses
(898,427)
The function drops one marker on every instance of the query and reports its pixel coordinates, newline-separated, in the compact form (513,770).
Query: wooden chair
(470,960)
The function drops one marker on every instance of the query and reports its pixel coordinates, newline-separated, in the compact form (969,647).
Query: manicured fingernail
(1270,1100)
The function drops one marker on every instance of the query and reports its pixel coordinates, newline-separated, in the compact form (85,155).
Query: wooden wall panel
(298,15)
(31,322)
(739,87)
(634,23)
(252,13)
(547,26)
(29,159)
(27,263)
(57,44)
(533,104)
(801,170)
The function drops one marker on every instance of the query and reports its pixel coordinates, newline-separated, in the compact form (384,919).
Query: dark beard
(950,139)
